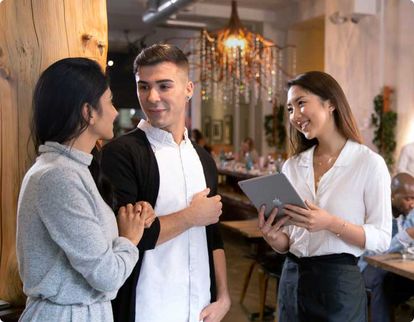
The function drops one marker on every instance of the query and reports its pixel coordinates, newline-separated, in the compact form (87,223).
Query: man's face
(403,199)
(162,92)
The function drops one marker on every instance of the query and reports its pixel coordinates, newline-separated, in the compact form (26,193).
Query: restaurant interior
(241,54)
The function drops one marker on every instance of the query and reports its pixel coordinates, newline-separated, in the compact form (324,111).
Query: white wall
(377,51)
(405,73)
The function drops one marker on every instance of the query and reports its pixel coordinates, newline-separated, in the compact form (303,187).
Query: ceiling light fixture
(184,23)
(238,63)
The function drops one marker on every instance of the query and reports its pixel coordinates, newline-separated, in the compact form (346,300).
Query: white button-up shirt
(356,188)
(174,282)
(406,159)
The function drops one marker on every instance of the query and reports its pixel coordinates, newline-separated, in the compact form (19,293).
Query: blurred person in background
(406,160)
(199,139)
(387,288)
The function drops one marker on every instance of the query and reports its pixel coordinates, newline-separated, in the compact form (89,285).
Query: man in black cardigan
(181,273)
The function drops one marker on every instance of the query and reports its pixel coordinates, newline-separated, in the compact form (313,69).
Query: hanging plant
(275,130)
(384,120)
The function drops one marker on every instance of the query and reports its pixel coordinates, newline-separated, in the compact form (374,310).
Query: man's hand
(203,210)
(147,212)
(215,311)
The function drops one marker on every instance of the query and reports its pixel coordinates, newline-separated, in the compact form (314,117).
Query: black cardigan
(130,164)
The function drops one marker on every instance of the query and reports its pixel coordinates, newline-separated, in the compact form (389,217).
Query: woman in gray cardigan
(72,256)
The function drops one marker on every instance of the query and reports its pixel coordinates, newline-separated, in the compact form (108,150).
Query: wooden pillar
(34,34)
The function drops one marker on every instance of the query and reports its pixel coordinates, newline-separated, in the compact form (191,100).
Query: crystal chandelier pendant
(238,64)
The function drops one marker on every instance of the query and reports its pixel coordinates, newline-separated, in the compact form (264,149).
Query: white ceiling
(126,15)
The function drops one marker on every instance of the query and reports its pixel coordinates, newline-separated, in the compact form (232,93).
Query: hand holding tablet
(273,190)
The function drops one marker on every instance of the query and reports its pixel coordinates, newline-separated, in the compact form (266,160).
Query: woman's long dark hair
(105,187)
(327,88)
(59,97)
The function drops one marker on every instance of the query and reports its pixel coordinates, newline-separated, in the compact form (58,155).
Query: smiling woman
(346,210)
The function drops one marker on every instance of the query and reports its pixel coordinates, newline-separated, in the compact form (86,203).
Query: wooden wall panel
(34,34)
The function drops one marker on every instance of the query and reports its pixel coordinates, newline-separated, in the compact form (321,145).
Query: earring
(187,98)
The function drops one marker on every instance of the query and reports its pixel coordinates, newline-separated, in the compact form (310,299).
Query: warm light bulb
(235,42)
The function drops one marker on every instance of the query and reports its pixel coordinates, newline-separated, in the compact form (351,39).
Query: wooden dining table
(393,262)
(247,228)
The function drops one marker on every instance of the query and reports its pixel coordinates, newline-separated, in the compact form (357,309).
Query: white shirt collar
(159,135)
(344,158)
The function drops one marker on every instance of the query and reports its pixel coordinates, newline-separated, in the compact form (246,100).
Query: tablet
(274,190)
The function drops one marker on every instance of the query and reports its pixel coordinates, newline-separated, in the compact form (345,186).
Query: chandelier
(236,63)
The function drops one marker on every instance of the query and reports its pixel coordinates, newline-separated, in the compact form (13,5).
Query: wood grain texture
(34,34)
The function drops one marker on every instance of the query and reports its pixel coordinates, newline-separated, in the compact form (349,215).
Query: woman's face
(308,113)
(104,117)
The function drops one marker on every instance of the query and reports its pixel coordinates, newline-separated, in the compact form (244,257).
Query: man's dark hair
(160,53)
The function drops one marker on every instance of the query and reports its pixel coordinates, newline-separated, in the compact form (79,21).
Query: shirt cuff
(376,240)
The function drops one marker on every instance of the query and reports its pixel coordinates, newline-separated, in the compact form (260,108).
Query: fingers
(261,216)
(266,225)
(203,193)
(148,214)
(217,197)
(311,205)
(272,217)
(129,208)
(149,221)
(122,211)
(137,208)
(297,218)
(205,313)
(296,209)
(281,222)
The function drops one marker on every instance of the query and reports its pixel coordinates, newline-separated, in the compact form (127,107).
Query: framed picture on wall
(217,130)
(207,128)
(228,129)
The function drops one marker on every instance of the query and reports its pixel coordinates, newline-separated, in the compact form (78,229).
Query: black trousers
(330,289)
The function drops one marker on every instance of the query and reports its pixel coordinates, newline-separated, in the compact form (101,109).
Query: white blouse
(406,160)
(356,188)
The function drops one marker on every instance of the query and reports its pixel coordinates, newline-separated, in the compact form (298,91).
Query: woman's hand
(312,219)
(272,232)
(132,219)
(130,222)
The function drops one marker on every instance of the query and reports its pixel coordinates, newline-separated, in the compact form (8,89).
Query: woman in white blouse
(346,187)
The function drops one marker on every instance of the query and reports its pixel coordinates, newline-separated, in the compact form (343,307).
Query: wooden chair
(270,267)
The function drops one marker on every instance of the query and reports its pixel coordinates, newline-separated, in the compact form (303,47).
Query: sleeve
(377,199)
(402,239)
(118,166)
(68,212)
(403,160)
(287,229)
(214,238)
